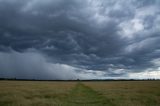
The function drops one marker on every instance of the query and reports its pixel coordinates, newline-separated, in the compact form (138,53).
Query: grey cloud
(33,65)
(90,35)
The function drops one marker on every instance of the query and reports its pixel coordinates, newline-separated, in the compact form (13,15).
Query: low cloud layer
(79,39)
(33,65)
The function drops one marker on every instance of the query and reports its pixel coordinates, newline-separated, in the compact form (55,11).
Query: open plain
(79,93)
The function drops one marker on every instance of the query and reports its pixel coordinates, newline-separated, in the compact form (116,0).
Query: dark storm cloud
(33,65)
(114,37)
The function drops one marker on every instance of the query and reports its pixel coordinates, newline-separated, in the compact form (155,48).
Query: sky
(80,39)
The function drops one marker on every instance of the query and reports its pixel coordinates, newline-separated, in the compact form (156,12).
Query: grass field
(100,93)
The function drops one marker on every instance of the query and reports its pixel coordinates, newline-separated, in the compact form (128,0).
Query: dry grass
(101,93)
(129,93)
(27,93)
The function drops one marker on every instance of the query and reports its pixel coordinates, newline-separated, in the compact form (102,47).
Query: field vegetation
(129,93)
(80,93)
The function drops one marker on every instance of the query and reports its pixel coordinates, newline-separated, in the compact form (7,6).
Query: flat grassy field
(95,93)
(129,93)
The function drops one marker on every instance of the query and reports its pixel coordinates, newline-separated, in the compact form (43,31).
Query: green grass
(82,95)
(102,93)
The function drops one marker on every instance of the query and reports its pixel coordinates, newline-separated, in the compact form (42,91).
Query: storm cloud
(70,39)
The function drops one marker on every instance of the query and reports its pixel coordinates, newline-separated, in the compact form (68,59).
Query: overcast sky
(85,39)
